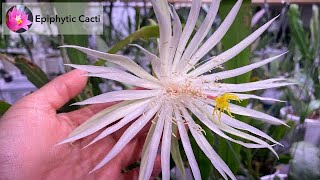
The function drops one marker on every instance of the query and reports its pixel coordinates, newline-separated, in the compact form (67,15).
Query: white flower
(179,88)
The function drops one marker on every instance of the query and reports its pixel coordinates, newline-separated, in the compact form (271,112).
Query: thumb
(59,91)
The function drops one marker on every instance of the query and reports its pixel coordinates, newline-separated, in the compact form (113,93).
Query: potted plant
(304,99)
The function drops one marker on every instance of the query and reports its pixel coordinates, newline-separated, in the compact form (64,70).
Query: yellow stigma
(222,104)
(18,19)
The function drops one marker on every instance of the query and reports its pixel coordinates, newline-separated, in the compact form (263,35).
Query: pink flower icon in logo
(18,19)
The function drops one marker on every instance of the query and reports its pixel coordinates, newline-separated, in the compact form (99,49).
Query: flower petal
(243,126)
(206,118)
(252,113)
(204,146)
(129,134)
(153,148)
(245,87)
(200,34)
(238,71)
(177,31)
(117,75)
(232,52)
(166,145)
(124,121)
(187,146)
(187,31)
(240,96)
(163,16)
(120,96)
(241,134)
(99,122)
(122,61)
(215,37)
(155,61)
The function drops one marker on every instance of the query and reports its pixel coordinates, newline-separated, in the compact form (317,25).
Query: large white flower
(179,89)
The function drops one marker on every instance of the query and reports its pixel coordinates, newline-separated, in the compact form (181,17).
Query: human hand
(31,128)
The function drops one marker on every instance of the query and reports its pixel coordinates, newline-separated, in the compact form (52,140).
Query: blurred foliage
(34,74)
(3,107)
(32,71)
(305,97)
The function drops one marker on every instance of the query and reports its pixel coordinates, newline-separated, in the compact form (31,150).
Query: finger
(60,90)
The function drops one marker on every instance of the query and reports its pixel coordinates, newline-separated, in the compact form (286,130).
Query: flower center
(222,104)
(175,91)
(18,19)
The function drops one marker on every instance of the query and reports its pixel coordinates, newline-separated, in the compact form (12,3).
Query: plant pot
(312,133)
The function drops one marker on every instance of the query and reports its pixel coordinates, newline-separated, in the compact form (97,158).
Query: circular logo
(19,19)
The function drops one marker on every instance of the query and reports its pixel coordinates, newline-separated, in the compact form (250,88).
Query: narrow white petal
(187,146)
(205,115)
(257,16)
(243,126)
(166,145)
(241,134)
(230,53)
(124,121)
(155,61)
(187,31)
(145,149)
(122,61)
(94,69)
(96,118)
(238,71)
(215,37)
(153,147)
(192,126)
(127,79)
(163,16)
(252,96)
(200,34)
(129,134)
(245,87)
(238,124)
(177,31)
(252,113)
(116,74)
(255,114)
(94,126)
(233,131)
(120,96)
(241,96)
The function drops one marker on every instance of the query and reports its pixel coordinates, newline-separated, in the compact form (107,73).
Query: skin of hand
(31,128)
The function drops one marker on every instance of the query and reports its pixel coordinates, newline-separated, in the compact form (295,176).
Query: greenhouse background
(29,61)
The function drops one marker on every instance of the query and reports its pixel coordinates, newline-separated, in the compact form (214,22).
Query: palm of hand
(31,128)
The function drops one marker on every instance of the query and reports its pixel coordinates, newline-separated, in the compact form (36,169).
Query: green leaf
(137,18)
(240,29)
(3,107)
(34,74)
(314,28)
(297,31)
(145,33)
